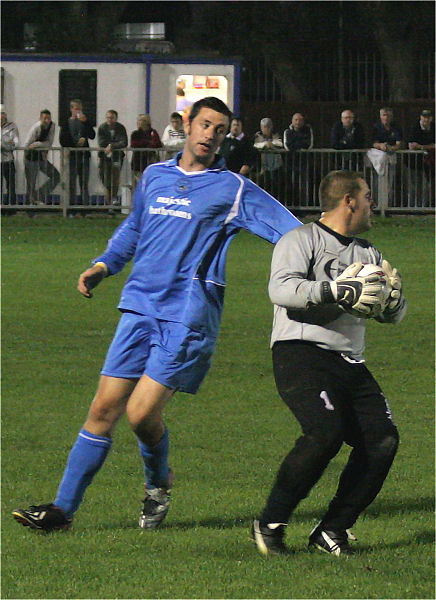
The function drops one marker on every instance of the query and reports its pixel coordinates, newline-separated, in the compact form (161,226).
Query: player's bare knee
(141,419)
(148,430)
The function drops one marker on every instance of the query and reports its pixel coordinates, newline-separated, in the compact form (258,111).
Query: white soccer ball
(377,309)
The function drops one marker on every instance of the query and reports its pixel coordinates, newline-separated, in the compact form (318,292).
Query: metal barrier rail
(83,180)
(407,186)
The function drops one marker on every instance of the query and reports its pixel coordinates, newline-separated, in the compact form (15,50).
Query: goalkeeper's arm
(90,278)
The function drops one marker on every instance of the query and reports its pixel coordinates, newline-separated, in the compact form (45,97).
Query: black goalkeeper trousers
(334,401)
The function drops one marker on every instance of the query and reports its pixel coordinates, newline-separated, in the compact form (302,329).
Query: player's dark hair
(176,115)
(114,112)
(210,102)
(335,185)
(45,111)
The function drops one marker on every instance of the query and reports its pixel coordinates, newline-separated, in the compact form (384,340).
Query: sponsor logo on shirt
(169,212)
(172,200)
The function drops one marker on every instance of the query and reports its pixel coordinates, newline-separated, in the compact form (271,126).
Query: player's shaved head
(335,185)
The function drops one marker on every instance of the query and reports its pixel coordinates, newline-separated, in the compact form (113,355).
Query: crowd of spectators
(260,157)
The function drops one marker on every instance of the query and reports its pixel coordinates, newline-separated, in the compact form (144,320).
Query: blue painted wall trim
(148,87)
(113,58)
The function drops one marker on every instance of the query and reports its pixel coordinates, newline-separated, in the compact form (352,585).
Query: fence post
(65,179)
(383,193)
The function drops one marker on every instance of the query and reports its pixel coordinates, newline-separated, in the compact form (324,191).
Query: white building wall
(32,86)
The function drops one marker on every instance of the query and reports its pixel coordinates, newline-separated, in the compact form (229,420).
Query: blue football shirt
(178,234)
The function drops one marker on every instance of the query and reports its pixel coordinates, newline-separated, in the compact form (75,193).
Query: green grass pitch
(227,442)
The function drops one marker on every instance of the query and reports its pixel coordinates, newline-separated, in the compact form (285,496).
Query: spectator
(143,137)
(298,135)
(10,141)
(181,101)
(237,150)
(40,136)
(387,137)
(386,134)
(422,137)
(112,136)
(347,134)
(422,133)
(174,135)
(75,134)
(269,144)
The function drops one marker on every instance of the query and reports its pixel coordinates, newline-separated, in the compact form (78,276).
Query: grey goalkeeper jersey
(302,259)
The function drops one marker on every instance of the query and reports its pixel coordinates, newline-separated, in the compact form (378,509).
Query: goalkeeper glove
(394,279)
(354,293)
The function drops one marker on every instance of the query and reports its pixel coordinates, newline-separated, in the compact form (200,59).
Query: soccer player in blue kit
(186,212)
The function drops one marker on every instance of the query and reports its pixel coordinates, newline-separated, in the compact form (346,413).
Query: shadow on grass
(380,507)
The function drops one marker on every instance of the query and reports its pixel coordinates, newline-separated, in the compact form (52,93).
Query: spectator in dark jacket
(387,136)
(421,136)
(238,151)
(422,163)
(299,135)
(75,134)
(347,134)
(112,136)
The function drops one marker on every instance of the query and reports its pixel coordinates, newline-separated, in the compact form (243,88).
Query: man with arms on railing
(269,142)
(75,134)
(422,138)
(143,137)
(38,141)
(387,138)
(237,149)
(347,134)
(299,136)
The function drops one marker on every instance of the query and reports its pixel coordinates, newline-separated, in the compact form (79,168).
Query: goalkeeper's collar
(346,241)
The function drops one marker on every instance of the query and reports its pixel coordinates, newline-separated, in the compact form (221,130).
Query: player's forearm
(294,292)
(121,246)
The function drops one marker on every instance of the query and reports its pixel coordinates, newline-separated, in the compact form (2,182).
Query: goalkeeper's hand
(394,279)
(353,293)
(90,278)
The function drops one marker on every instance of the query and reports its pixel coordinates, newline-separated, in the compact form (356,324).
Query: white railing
(55,180)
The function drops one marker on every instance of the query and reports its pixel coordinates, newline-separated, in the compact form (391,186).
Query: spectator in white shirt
(174,136)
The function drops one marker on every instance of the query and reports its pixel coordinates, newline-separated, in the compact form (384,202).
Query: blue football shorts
(168,352)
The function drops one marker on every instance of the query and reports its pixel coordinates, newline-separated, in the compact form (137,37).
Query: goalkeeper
(318,334)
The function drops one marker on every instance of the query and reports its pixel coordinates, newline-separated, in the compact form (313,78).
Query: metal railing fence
(85,180)
(407,186)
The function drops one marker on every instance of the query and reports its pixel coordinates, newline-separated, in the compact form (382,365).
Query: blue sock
(85,459)
(156,461)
